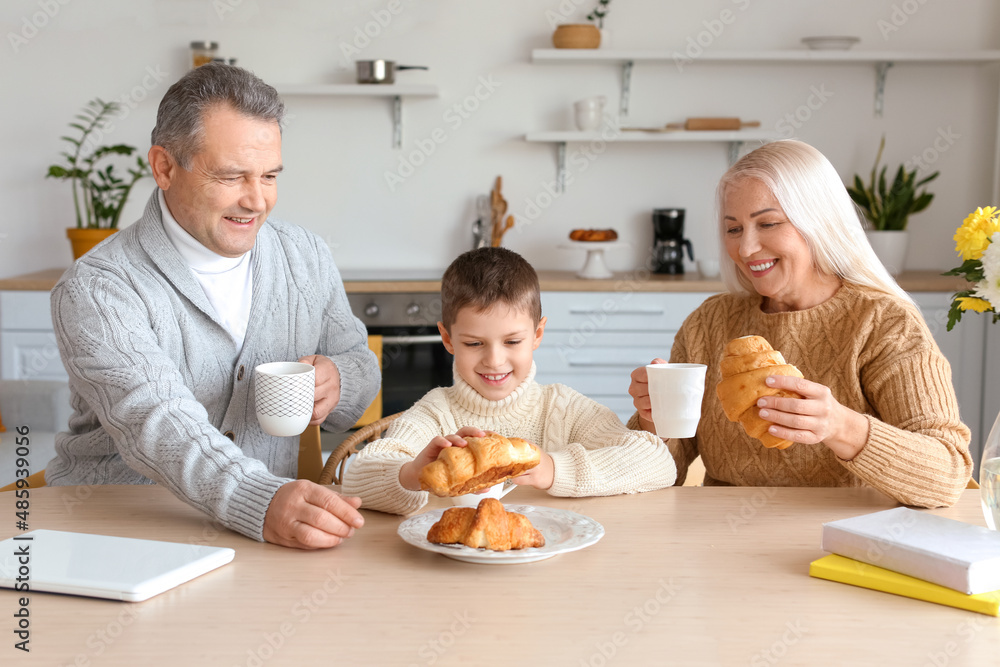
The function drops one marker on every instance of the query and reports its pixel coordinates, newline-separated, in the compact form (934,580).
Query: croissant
(481,464)
(746,363)
(488,526)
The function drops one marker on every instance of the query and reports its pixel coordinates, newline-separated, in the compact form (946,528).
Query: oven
(414,360)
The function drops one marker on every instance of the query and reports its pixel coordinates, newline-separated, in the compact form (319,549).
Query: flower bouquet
(977,240)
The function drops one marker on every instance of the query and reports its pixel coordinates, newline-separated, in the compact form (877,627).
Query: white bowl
(830,43)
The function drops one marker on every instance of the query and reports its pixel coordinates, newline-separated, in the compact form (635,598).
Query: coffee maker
(669,241)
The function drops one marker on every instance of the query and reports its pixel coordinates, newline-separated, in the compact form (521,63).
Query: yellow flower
(974,304)
(973,236)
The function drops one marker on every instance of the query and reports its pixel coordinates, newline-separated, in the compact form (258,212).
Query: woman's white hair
(816,202)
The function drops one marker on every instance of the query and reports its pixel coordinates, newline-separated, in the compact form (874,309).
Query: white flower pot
(890,247)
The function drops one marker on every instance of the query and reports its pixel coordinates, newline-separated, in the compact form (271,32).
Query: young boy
(492,322)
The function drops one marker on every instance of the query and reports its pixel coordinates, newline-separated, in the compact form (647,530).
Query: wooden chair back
(333,471)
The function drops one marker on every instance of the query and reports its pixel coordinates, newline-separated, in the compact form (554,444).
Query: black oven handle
(411,340)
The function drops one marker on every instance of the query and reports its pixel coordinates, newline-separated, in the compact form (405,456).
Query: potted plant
(887,208)
(582,35)
(597,16)
(99,193)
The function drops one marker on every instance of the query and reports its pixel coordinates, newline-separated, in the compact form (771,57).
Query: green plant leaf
(954,315)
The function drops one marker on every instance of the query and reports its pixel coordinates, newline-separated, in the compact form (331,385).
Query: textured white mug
(588,113)
(675,393)
(284,393)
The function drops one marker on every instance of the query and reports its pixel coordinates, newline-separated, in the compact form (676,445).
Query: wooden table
(683,576)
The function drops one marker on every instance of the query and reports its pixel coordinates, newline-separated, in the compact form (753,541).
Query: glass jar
(989,477)
(203,52)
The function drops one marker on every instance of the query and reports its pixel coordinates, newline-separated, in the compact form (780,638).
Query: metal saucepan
(380,71)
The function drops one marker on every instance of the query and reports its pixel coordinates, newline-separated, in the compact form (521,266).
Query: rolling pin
(713,124)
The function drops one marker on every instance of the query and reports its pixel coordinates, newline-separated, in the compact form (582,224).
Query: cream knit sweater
(877,357)
(593,452)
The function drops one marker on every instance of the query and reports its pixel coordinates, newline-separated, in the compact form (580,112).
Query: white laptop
(117,568)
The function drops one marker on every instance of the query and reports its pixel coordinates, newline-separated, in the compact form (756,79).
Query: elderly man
(161,326)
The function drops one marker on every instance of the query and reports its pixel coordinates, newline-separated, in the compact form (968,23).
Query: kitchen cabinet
(594,340)
(28,349)
(882,61)
(396,92)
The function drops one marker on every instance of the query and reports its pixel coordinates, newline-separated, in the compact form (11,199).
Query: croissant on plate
(746,363)
(488,526)
(481,464)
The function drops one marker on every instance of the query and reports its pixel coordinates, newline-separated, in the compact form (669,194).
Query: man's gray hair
(179,120)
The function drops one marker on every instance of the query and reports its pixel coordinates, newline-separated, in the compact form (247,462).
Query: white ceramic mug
(497,491)
(284,393)
(588,113)
(675,392)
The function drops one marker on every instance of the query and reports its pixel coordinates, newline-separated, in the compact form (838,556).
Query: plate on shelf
(832,43)
(564,532)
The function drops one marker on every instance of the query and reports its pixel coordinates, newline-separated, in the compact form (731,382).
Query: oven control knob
(413,309)
(371,310)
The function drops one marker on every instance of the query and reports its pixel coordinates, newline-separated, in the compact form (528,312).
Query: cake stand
(594,267)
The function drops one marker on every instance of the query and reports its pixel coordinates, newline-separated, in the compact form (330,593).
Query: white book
(951,553)
(118,568)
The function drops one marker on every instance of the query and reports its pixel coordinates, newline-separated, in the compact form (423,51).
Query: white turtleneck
(593,452)
(227,281)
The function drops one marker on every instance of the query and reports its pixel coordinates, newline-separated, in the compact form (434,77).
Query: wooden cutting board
(713,124)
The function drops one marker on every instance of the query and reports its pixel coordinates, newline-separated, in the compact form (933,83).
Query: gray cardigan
(156,380)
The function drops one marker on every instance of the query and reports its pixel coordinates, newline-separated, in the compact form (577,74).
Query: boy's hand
(409,474)
(540,477)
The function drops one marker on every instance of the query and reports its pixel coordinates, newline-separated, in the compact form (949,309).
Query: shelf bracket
(735,148)
(626,88)
(561,167)
(881,69)
(397,122)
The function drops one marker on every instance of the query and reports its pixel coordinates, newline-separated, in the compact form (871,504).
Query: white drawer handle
(600,311)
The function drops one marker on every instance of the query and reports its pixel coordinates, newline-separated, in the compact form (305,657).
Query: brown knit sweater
(877,357)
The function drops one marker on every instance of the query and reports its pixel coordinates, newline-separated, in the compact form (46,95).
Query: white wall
(337,150)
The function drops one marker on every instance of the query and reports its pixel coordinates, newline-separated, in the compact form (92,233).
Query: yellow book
(856,573)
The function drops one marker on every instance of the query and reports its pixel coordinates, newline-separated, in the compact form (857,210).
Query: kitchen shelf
(394,91)
(882,60)
(734,138)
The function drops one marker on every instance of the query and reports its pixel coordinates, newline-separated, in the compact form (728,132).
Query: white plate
(830,43)
(564,531)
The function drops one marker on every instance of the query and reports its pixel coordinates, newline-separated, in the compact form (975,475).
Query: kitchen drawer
(25,311)
(30,355)
(618,311)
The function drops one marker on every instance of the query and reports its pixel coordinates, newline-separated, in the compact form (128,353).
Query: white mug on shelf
(284,393)
(588,113)
(675,393)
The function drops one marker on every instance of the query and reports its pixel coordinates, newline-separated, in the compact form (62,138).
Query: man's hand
(541,476)
(304,515)
(327,386)
(409,473)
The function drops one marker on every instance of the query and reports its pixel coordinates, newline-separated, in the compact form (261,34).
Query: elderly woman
(878,408)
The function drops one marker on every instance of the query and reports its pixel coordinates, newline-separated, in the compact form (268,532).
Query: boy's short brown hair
(485,277)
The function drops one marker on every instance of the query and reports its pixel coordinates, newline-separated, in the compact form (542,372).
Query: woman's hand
(816,417)
(639,390)
(409,473)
